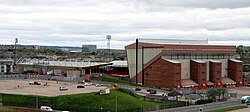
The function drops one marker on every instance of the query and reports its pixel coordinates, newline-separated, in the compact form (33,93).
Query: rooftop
(65,63)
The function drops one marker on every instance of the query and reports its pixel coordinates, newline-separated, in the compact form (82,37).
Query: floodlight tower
(16,41)
(108,37)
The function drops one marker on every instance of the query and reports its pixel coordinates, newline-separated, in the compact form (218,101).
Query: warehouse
(62,68)
(183,63)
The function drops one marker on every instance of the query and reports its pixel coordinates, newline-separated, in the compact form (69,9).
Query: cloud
(76,22)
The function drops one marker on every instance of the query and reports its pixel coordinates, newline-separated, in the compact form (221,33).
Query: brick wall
(163,74)
(235,71)
(198,72)
(215,72)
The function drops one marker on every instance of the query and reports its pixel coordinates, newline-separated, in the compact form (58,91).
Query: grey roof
(63,63)
(235,60)
(175,93)
(193,96)
(119,64)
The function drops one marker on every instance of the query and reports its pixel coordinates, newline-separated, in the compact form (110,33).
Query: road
(205,107)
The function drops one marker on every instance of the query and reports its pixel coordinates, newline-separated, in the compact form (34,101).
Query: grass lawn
(228,109)
(126,101)
(116,80)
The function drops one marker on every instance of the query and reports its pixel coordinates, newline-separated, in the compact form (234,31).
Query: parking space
(47,88)
(241,91)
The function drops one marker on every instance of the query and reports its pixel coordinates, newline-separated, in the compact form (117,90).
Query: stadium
(183,64)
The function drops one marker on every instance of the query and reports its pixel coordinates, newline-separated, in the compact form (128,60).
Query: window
(193,56)
(210,56)
(181,56)
(204,56)
(174,56)
(198,56)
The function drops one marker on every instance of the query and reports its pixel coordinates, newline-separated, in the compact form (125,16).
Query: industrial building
(6,66)
(89,48)
(183,63)
(65,68)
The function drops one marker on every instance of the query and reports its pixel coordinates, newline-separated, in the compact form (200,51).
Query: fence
(41,77)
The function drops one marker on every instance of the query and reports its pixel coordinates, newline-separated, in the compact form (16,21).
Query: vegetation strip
(228,109)
(126,101)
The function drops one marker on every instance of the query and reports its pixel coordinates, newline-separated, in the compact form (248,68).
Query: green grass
(116,80)
(94,101)
(228,109)
(6,110)
(126,101)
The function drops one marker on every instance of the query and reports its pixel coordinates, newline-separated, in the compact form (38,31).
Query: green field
(126,101)
(228,109)
(116,80)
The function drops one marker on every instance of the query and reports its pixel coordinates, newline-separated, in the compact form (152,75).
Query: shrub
(204,101)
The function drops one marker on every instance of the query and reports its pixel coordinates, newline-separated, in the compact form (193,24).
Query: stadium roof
(65,63)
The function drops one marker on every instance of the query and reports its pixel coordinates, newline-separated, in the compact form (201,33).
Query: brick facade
(163,74)
(235,71)
(215,72)
(198,72)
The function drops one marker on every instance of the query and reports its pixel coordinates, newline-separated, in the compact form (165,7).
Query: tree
(213,92)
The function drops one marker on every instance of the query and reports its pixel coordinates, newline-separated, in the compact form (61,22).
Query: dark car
(80,86)
(148,90)
(152,92)
(137,89)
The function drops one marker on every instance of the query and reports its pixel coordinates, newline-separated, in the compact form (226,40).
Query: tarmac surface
(21,86)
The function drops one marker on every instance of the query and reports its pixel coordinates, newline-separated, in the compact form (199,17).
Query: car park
(62,88)
(80,86)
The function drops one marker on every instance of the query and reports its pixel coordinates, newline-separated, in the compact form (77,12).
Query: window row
(198,56)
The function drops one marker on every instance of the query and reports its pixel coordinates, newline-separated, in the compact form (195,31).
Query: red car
(87,80)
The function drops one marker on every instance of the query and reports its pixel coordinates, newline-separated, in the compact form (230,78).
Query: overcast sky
(77,22)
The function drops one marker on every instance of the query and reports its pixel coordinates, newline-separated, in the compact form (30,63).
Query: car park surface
(21,86)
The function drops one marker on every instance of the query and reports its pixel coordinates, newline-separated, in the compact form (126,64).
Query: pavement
(205,107)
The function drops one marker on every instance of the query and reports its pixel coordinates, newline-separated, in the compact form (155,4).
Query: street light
(36,100)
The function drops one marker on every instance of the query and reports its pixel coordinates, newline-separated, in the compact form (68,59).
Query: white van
(46,108)
(62,88)
(243,99)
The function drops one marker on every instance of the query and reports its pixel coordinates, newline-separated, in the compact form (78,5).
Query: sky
(77,22)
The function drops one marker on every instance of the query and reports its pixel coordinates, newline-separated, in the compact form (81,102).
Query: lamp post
(116,105)
(136,61)
(36,100)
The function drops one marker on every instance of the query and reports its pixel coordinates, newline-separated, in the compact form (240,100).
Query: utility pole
(116,105)
(36,100)
(136,62)
(16,41)
(142,61)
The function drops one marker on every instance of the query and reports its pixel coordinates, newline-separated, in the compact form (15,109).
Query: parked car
(243,99)
(152,92)
(34,83)
(137,89)
(98,85)
(46,108)
(80,86)
(148,90)
(62,88)
(81,82)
